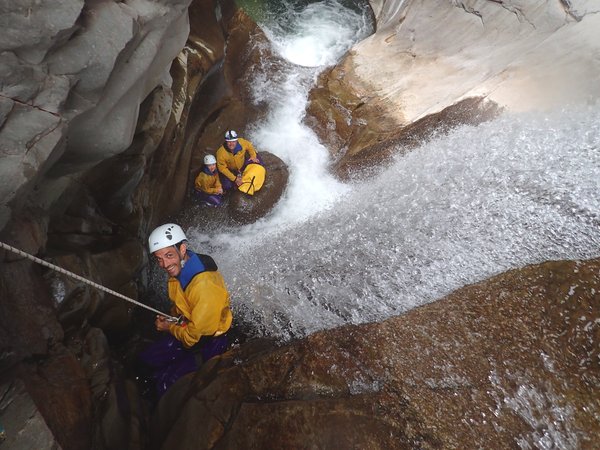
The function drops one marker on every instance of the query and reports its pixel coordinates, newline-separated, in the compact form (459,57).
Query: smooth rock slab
(428,56)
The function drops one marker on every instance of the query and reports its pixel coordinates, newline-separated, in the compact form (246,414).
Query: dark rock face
(23,425)
(509,361)
(61,392)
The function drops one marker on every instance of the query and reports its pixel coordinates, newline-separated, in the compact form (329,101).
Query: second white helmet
(210,159)
(165,236)
(231,135)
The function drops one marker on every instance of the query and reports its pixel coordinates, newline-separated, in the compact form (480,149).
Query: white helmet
(231,135)
(165,236)
(210,159)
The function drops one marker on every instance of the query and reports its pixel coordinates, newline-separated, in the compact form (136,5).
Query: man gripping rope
(199,295)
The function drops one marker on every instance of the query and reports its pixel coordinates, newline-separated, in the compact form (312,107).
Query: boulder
(513,359)
(244,208)
(239,208)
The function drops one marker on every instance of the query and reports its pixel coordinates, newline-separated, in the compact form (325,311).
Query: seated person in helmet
(207,185)
(198,293)
(233,157)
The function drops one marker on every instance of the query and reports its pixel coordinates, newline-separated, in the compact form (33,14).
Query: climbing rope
(84,280)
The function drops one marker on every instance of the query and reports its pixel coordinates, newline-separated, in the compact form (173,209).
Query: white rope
(84,280)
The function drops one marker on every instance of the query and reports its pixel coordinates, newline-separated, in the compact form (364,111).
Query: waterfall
(464,206)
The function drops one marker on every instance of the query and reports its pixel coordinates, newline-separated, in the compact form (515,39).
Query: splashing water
(461,208)
(285,87)
(318,35)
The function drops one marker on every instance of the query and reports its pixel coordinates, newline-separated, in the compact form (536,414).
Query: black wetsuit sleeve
(209,264)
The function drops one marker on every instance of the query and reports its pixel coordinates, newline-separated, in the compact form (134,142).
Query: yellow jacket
(208,183)
(230,164)
(204,303)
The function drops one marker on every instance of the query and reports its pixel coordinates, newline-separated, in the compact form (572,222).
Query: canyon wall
(74,75)
(94,106)
(106,108)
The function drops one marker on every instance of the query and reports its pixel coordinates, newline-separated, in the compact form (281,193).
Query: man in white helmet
(199,294)
(233,157)
(207,184)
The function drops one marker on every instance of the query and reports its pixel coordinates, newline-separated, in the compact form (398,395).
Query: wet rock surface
(428,60)
(245,208)
(22,423)
(508,362)
(382,141)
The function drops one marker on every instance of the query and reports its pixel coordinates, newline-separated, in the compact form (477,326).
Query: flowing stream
(461,208)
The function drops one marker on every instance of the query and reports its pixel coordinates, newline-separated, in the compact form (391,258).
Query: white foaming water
(285,87)
(321,34)
(461,208)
